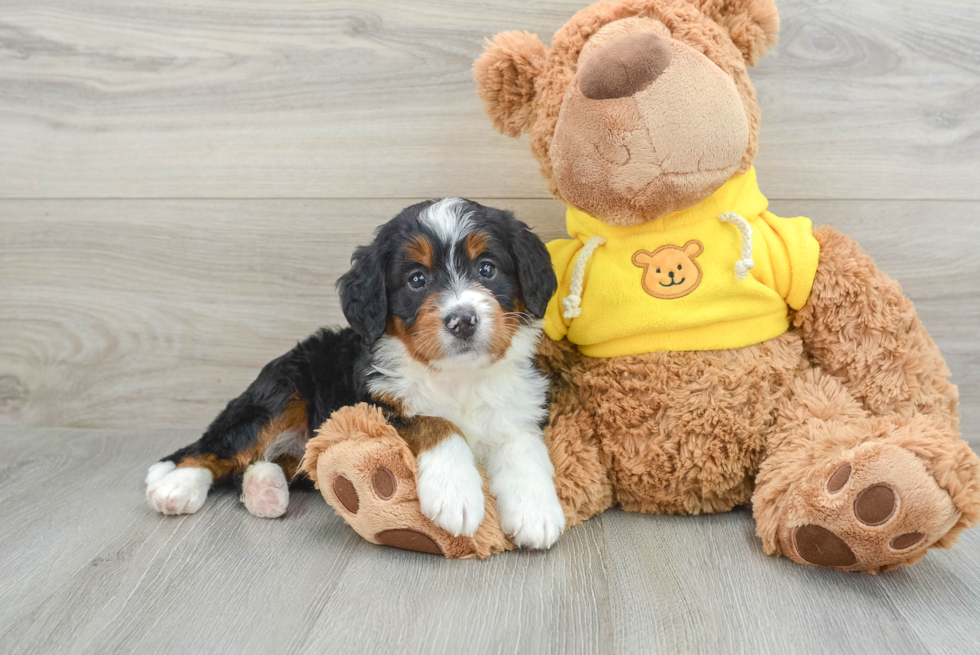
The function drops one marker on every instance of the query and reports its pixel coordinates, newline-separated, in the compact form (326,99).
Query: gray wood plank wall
(180,185)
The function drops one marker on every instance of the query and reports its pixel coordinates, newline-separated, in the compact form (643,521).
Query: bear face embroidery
(670,271)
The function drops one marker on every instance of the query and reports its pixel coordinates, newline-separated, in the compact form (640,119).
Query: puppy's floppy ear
(535,273)
(362,293)
(753,25)
(505,74)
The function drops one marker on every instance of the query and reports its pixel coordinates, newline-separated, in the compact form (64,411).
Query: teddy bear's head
(640,107)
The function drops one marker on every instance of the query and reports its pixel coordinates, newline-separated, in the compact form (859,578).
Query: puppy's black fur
(330,369)
(320,371)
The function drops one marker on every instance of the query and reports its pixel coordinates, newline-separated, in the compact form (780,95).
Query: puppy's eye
(679,267)
(417,281)
(487,270)
(658,270)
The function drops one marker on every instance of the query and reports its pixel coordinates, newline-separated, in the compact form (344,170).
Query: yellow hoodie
(719,275)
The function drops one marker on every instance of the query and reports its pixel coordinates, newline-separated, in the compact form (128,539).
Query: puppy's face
(452,280)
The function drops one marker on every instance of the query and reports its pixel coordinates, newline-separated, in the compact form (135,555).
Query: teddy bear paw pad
(819,546)
(875,509)
(409,540)
(371,486)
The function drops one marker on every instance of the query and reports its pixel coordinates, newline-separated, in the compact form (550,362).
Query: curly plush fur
(843,433)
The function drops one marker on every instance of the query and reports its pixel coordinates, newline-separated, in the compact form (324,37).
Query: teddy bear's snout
(625,67)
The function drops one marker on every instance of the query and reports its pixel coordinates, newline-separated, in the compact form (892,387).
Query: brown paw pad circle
(907,540)
(875,505)
(384,483)
(818,545)
(409,540)
(345,492)
(839,479)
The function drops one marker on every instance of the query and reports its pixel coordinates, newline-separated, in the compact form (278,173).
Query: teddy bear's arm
(860,327)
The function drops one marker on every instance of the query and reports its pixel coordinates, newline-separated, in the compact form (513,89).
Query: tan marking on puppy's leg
(293,418)
(219,468)
(423,433)
(396,404)
(289,465)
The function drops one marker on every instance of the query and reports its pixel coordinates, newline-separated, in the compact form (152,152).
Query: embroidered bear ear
(505,75)
(753,25)
(642,257)
(693,248)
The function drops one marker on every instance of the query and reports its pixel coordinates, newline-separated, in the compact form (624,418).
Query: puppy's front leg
(450,488)
(522,479)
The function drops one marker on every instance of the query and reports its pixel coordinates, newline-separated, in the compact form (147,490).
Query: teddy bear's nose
(625,66)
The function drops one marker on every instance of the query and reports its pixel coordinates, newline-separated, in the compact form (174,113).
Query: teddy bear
(703,352)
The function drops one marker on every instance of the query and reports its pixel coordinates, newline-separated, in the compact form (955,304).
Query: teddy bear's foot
(871,508)
(367,473)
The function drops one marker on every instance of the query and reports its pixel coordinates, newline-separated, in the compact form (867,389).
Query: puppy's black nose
(462,324)
(671,274)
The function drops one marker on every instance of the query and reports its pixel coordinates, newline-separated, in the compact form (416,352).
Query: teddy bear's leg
(581,478)
(866,470)
(843,489)
(368,474)
(860,328)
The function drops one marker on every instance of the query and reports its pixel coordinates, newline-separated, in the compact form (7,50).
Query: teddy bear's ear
(505,75)
(753,25)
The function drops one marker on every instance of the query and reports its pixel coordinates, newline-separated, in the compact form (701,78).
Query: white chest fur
(490,402)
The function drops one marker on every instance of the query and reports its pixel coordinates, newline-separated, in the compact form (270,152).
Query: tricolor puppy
(445,308)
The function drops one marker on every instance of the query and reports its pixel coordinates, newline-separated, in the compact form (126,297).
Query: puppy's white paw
(157,471)
(530,513)
(450,487)
(181,491)
(265,491)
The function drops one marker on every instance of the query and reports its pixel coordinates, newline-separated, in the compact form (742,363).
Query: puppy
(444,308)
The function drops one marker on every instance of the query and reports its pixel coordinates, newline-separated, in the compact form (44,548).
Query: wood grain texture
(123,306)
(88,567)
(318,98)
(153,314)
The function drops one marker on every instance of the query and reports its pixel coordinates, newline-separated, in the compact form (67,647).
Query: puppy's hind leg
(265,490)
(177,491)
(271,422)
(265,485)
(237,439)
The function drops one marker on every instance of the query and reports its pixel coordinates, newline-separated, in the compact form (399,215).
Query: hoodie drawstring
(743,265)
(573,301)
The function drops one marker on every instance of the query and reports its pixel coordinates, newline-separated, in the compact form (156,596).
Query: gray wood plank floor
(181,184)
(88,567)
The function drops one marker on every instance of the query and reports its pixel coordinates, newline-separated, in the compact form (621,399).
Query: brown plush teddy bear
(704,352)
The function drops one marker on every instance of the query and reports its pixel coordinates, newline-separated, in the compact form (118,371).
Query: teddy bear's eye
(658,270)
(679,267)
